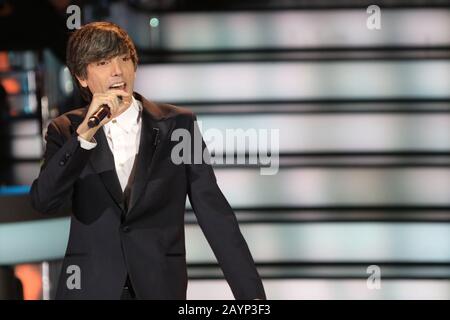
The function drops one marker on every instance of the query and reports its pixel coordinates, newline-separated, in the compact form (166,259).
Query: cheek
(129,67)
(131,76)
(98,84)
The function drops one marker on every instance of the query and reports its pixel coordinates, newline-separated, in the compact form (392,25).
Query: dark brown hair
(94,42)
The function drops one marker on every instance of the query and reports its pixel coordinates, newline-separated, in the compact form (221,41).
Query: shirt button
(114,121)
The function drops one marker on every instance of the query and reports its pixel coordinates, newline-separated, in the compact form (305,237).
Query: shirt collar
(128,118)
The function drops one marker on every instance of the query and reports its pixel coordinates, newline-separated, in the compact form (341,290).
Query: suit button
(67,155)
(126,229)
(62,162)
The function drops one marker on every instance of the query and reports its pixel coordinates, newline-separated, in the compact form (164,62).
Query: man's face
(114,73)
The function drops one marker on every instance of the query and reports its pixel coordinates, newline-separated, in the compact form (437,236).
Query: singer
(126,196)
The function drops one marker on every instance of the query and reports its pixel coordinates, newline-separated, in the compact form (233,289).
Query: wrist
(85,132)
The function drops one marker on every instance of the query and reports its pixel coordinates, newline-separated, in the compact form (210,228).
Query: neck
(127,104)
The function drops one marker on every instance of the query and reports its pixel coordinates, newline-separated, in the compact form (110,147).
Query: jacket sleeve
(220,226)
(63,162)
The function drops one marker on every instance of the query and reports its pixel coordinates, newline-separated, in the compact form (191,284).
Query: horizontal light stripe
(25,127)
(332,132)
(334,242)
(290,29)
(328,290)
(27,147)
(33,241)
(294,80)
(14,190)
(326,242)
(335,186)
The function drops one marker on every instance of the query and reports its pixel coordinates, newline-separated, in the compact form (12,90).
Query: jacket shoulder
(171,111)
(67,122)
(163,111)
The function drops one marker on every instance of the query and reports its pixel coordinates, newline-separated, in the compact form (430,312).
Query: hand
(116,108)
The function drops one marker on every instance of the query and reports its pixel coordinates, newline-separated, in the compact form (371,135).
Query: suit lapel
(102,160)
(153,134)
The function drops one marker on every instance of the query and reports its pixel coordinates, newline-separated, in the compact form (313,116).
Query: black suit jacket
(144,239)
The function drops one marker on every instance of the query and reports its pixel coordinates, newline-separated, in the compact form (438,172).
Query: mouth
(119,85)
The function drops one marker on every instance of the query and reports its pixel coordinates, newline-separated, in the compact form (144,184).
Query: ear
(82,82)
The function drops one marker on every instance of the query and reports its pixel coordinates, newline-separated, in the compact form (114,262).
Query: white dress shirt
(123,136)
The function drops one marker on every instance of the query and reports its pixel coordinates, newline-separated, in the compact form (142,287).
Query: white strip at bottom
(312,289)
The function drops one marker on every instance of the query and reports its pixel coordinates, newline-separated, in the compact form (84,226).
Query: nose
(116,68)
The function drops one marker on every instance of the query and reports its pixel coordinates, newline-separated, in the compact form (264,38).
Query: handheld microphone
(102,112)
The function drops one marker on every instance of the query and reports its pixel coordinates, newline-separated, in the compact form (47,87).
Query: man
(126,194)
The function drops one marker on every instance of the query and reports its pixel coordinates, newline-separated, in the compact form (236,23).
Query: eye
(102,63)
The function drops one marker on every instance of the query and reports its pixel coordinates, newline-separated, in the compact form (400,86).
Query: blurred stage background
(364,126)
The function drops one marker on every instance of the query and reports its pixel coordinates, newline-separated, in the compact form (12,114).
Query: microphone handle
(98,116)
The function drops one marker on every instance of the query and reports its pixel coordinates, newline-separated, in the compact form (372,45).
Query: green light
(154,22)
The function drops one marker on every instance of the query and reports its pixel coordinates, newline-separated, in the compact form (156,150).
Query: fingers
(125,98)
(111,99)
(118,92)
